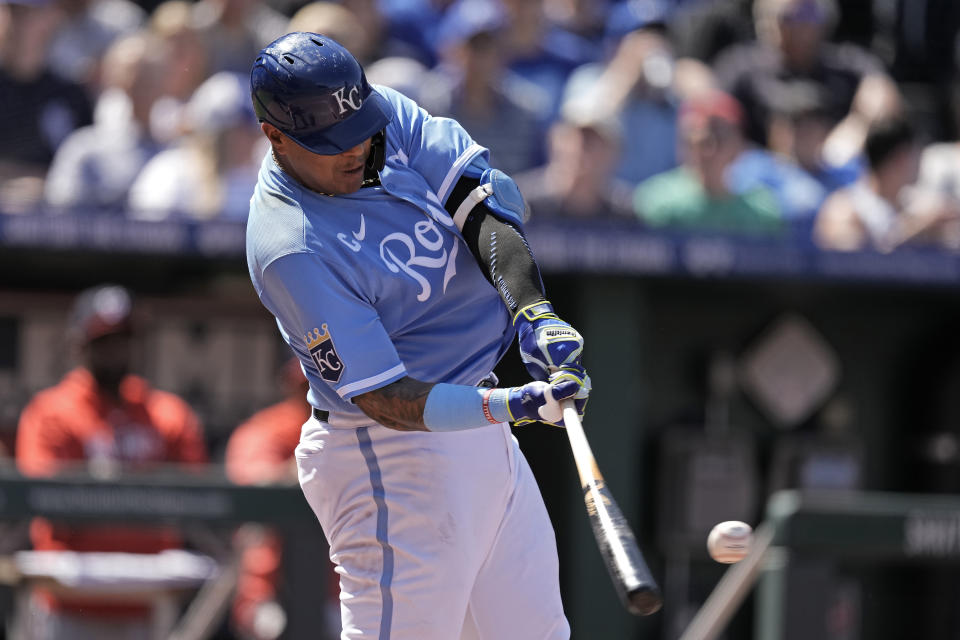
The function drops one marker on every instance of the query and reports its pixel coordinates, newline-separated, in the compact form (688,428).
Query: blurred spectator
(96,165)
(636,85)
(38,108)
(701,30)
(876,99)
(90,26)
(188,66)
(940,162)
(234,31)
(577,26)
(364,28)
(471,85)
(940,169)
(212,169)
(584,18)
(798,195)
(104,420)
(534,55)
(800,124)
(413,25)
(382,39)
(792,44)
(578,180)
(696,195)
(361,27)
(337,22)
(260,451)
(879,212)
(783,169)
(405,75)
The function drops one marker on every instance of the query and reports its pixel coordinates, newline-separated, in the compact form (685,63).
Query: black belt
(320,414)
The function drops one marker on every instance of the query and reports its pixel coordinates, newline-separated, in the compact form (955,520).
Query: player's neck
(285,166)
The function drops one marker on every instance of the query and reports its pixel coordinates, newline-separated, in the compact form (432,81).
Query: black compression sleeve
(502,252)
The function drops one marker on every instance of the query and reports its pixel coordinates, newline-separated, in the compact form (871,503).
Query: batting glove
(547,343)
(539,401)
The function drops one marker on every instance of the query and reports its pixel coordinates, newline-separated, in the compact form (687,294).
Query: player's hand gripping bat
(618,546)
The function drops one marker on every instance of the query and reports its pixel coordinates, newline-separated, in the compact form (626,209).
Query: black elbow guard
(492,231)
(495,189)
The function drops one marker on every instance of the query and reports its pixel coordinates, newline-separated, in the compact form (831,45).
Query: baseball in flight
(730,541)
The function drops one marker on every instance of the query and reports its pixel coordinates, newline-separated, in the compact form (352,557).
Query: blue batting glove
(547,343)
(539,401)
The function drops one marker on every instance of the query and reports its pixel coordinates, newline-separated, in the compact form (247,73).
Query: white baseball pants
(436,536)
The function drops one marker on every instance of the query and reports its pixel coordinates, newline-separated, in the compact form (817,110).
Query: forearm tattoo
(399,405)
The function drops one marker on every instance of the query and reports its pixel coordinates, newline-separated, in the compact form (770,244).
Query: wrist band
(541,309)
(486,407)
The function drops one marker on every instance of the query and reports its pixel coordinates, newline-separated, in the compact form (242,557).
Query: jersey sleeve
(437,148)
(333,327)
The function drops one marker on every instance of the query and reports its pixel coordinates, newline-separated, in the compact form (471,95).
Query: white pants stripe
(386,577)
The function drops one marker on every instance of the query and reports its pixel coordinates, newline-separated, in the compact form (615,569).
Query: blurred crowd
(810,121)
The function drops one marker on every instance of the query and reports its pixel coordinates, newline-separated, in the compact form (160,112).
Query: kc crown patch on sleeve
(324,354)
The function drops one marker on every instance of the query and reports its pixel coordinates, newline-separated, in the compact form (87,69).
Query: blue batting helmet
(314,91)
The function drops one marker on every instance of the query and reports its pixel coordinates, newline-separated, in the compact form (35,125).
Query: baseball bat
(618,545)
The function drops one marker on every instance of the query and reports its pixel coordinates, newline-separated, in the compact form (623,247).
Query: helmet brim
(373,116)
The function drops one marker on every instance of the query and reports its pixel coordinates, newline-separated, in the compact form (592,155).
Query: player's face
(337,174)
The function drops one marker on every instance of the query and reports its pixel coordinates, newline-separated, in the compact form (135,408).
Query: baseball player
(393,258)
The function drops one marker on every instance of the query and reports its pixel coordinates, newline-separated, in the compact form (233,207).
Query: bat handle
(571,420)
(579,446)
(570,413)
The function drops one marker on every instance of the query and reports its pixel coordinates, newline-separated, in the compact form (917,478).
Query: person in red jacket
(260,450)
(101,419)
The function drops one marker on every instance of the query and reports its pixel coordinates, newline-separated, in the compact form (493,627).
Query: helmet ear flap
(378,154)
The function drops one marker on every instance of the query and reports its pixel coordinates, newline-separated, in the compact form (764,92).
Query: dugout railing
(206,507)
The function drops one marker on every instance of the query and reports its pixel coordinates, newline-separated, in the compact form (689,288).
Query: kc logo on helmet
(324,354)
(349,98)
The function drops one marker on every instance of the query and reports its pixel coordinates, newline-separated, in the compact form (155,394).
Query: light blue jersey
(379,284)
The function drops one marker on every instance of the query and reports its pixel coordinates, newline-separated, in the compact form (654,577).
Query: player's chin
(350,181)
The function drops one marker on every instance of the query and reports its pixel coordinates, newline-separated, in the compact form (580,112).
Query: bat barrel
(618,546)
